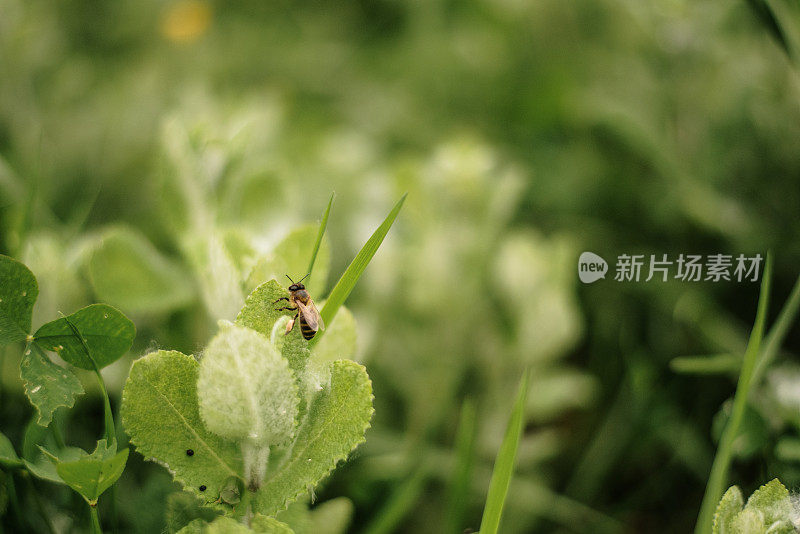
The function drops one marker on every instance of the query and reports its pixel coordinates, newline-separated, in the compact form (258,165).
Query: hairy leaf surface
(246,388)
(161,415)
(337,419)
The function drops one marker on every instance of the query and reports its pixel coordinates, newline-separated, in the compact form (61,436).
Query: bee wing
(311,315)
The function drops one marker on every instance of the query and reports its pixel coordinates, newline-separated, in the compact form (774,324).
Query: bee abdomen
(306,330)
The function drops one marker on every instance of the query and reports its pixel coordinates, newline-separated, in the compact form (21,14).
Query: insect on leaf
(107,335)
(161,415)
(18,292)
(47,385)
(337,419)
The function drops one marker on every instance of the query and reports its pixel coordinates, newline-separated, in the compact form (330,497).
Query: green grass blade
(504,463)
(322,226)
(356,268)
(717,480)
(462,475)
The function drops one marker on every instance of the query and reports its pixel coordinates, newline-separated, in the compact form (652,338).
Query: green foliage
(769,510)
(337,419)
(105,335)
(719,469)
(18,291)
(47,385)
(348,280)
(128,271)
(246,389)
(92,474)
(504,463)
(161,414)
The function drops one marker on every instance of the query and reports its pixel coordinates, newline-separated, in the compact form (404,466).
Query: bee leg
(280,299)
(285,308)
(290,325)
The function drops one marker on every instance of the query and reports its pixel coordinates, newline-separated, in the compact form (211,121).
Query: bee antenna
(306,276)
(290,278)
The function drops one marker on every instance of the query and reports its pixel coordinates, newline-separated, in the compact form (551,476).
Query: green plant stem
(719,469)
(322,226)
(110,429)
(96,529)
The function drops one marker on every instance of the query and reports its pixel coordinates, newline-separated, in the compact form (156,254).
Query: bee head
(296,286)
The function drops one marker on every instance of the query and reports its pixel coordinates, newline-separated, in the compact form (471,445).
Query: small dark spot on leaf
(203,487)
(189,452)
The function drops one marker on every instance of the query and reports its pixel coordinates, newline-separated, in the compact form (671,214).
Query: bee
(300,300)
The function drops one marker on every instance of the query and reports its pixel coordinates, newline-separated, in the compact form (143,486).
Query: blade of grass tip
(400,503)
(356,268)
(504,463)
(462,475)
(322,226)
(719,468)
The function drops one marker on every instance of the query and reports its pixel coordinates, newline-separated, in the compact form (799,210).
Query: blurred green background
(134,133)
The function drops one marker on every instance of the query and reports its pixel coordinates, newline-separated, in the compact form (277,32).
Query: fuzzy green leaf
(260,313)
(160,413)
(727,509)
(290,257)
(47,385)
(337,419)
(246,389)
(94,473)
(107,335)
(8,456)
(504,463)
(772,500)
(347,282)
(129,272)
(18,292)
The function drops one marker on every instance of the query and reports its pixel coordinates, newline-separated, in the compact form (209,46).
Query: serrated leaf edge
(136,444)
(291,498)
